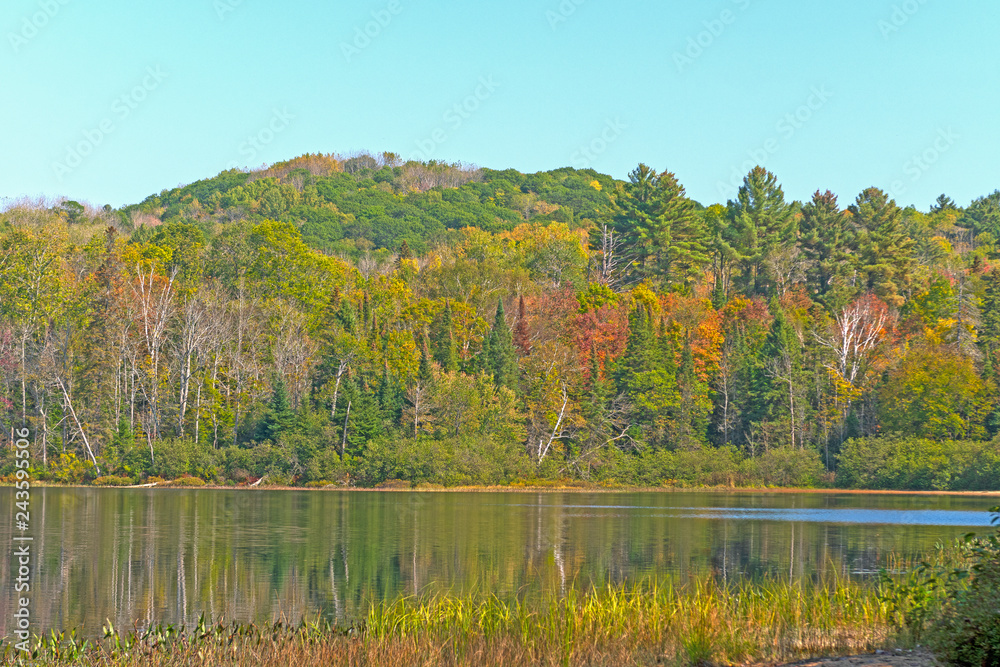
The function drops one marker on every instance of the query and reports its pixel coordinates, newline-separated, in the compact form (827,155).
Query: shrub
(968,632)
(394,484)
(785,466)
(112,480)
(242,463)
(326,465)
(916,464)
(68,469)
(452,461)
(175,457)
(188,481)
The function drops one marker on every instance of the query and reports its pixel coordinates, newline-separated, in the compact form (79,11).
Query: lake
(168,555)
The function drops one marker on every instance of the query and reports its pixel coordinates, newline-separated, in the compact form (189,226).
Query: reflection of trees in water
(169,556)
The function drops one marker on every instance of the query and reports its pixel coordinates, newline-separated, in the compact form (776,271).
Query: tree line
(357,319)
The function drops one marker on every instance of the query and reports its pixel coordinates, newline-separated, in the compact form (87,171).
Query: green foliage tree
(826,241)
(884,251)
(279,416)
(761,225)
(501,355)
(662,229)
(647,376)
(935,392)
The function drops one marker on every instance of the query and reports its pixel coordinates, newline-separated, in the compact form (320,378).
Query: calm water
(169,555)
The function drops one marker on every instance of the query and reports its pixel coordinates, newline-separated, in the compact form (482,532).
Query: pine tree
(885,252)
(667,237)
(390,397)
(501,355)
(280,415)
(825,240)
(359,418)
(761,225)
(781,369)
(424,373)
(647,375)
(444,347)
(684,240)
(595,407)
(695,407)
(989,331)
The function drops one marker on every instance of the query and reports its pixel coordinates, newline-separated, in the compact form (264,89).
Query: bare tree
(154,296)
(858,330)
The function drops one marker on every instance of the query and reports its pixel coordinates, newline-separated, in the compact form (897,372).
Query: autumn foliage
(358,318)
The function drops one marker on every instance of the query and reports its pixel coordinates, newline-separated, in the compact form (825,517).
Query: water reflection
(148,556)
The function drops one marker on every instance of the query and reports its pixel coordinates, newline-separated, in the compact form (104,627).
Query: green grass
(645,624)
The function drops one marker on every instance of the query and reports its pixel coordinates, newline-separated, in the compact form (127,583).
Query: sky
(110,101)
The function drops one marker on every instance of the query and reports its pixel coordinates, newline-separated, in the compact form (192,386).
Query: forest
(363,321)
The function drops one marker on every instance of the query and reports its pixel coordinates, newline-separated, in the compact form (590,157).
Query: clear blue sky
(904,95)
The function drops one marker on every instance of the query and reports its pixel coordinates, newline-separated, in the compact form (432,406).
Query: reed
(651,623)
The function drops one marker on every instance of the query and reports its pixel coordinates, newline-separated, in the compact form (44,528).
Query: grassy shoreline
(701,623)
(535,489)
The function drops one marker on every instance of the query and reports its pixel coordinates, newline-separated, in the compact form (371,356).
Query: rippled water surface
(169,555)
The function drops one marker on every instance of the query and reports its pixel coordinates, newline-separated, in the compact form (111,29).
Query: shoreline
(533,489)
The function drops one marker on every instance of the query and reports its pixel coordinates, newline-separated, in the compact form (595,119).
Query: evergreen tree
(695,408)
(501,356)
(983,215)
(390,397)
(662,229)
(359,417)
(885,253)
(444,347)
(781,370)
(595,407)
(825,240)
(647,375)
(761,225)
(280,416)
(943,203)
(989,331)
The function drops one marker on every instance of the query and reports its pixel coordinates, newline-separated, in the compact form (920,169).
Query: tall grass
(645,624)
